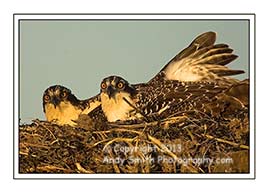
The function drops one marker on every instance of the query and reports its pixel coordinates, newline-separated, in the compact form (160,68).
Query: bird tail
(234,101)
(240,91)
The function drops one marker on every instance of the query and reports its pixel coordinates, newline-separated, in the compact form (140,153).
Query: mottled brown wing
(201,61)
(228,102)
(90,104)
(204,40)
(165,98)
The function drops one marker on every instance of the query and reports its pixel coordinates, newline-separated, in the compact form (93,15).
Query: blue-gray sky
(79,54)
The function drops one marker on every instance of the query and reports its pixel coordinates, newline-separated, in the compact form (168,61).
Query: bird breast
(116,108)
(63,114)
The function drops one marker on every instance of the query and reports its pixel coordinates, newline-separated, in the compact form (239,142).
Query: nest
(186,143)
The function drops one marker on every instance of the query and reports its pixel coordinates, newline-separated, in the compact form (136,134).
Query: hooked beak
(55,102)
(111,92)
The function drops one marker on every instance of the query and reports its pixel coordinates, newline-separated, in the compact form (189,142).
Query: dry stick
(109,131)
(52,168)
(36,145)
(190,134)
(171,120)
(102,141)
(162,146)
(82,169)
(101,135)
(136,125)
(49,132)
(30,134)
(118,129)
(225,141)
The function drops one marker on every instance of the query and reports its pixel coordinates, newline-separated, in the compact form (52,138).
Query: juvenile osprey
(62,107)
(123,101)
(200,61)
(191,80)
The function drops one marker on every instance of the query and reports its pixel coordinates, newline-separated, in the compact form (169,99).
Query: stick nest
(188,143)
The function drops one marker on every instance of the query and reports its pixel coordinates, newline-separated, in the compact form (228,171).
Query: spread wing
(201,61)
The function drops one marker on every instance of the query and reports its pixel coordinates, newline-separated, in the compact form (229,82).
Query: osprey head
(114,85)
(60,105)
(117,96)
(56,94)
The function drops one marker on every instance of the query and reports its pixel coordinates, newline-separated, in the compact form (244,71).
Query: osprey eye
(103,85)
(46,97)
(63,94)
(120,85)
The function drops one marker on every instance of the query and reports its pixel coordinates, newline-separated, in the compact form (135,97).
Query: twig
(225,141)
(82,169)
(170,120)
(49,168)
(119,130)
(48,131)
(36,145)
(162,147)
(99,142)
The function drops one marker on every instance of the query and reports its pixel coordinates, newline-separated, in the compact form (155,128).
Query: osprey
(195,79)
(62,107)
(122,101)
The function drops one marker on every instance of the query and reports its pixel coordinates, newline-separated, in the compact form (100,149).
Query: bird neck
(73,100)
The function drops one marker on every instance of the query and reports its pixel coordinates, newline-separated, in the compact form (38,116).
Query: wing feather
(159,98)
(195,62)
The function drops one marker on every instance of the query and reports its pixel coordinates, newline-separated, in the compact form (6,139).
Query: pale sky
(79,54)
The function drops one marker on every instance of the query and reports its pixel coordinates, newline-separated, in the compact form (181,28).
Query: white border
(16,104)
(251,175)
